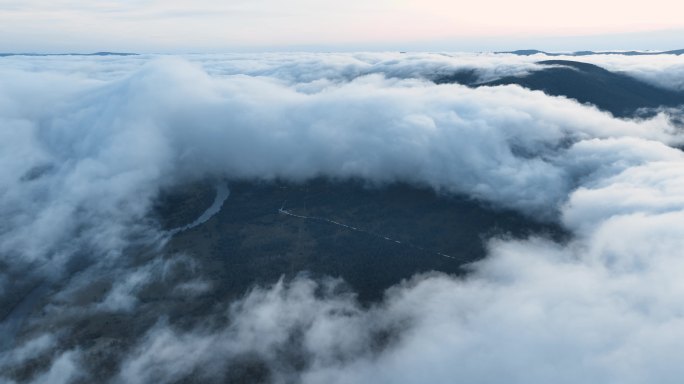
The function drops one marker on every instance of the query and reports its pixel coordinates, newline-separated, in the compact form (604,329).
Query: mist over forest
(341,218)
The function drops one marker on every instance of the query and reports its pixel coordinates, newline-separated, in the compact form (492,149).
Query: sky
(175,26)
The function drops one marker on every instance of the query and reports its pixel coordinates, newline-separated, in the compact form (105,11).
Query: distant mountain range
(70,54)
(530,52)
(520,52)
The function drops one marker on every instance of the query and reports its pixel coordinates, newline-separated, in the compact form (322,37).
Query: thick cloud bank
(85,149)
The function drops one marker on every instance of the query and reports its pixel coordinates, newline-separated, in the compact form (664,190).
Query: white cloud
(85,149)
(63,370)
(106,149)
(604,308)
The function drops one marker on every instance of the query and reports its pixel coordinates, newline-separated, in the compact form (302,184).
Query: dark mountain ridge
(372,237)
(530,52)
(617,93)
(70,54)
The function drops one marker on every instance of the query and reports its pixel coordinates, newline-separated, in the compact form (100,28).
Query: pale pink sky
(150,25)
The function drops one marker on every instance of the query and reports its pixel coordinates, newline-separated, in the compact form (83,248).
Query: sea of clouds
(87,143)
